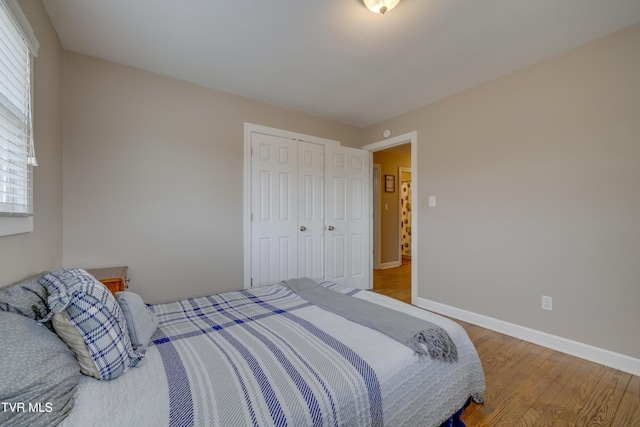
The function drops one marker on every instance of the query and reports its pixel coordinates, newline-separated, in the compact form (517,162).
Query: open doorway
(394,218)
(392,222)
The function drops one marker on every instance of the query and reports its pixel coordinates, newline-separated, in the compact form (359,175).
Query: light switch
(432,201)
(386,206)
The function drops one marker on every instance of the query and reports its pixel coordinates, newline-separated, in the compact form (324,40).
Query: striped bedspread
(269,366)
(266,357)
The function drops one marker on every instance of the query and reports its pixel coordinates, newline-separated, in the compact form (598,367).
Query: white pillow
(141,322)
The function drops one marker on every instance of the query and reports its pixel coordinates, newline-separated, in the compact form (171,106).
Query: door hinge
(251,151)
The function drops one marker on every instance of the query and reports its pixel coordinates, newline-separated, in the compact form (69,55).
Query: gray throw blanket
(420,335)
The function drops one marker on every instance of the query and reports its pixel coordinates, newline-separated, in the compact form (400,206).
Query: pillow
(141,322)
(26,297)
(74,340)
(38,371)
(96,315)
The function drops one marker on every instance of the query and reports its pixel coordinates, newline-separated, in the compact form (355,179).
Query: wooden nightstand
(114,278)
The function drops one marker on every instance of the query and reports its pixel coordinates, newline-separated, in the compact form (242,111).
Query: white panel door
(274,193)
(348,216)
(310,210)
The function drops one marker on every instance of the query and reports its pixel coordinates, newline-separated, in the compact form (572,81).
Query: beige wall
(537,176)
(29,253)
(390,218)
(153,176)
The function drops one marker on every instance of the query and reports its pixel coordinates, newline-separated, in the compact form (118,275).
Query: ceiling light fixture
(381,6)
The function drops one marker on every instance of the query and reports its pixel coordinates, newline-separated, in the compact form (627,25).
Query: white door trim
(377,245)
(250,128)
(412,138)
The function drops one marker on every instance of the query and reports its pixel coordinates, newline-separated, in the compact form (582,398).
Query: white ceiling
(335,58)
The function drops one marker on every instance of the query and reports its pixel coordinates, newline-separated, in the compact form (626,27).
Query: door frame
(375,235)
(406,138)
(250,128)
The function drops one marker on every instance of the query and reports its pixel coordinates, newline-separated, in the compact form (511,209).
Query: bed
(266,357)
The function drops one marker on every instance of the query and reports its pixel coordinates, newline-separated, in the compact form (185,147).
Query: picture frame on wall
(389,183)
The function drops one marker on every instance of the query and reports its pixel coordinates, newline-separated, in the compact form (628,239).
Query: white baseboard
(392,264)
(584,351)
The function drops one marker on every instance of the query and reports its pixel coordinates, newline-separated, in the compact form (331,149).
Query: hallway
(394,282)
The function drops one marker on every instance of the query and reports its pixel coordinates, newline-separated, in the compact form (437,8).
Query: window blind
(17,155)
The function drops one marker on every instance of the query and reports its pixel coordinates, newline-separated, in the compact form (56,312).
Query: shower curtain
(405,218)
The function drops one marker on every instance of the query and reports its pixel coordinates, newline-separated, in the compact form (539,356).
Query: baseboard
(392,264)
(584,351)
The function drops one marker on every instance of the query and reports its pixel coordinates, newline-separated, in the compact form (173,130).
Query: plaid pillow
(94,312)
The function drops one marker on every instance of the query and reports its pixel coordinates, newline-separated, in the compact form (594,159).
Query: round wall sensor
(386,133)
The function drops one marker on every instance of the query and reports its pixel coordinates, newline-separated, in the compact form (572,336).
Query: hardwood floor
(530,385)
(394,282)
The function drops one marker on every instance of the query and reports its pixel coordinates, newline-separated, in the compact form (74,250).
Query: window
(17,154)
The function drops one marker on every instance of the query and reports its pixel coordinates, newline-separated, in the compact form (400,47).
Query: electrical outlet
(547,303)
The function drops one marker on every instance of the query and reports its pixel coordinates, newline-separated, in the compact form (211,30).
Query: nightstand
(114,278)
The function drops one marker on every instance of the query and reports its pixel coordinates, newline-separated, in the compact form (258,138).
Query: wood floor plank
(628,412)
(513,397)
(600,396)
(551,402)
(532,386)
(512,409)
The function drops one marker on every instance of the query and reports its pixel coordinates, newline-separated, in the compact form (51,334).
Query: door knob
(331,228)
(303,228)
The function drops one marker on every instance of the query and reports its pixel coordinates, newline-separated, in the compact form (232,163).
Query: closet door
(310,210)
(274,209)
(348,216)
